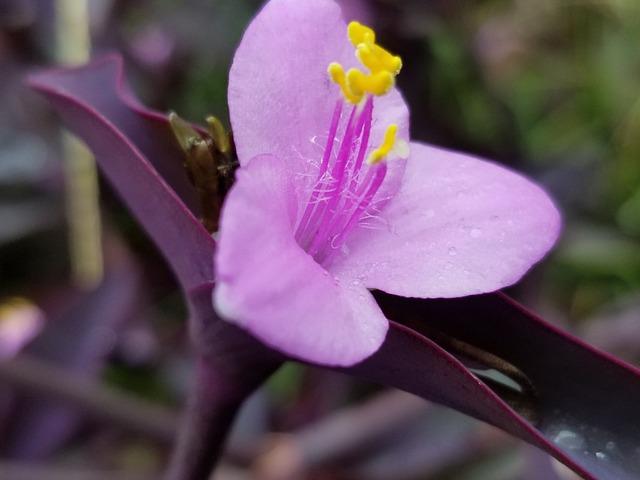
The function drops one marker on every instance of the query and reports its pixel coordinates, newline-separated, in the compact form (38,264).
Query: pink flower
(332,199)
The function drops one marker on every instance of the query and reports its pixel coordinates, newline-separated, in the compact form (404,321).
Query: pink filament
(345,186)
(337,112)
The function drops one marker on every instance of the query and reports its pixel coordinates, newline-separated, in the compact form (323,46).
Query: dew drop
(595,444)
(569,439)
(448,266)
(453,251)
(475,232)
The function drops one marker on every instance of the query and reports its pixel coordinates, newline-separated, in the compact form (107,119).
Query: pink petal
(268,285)
(458,226)
(358,10)
(281,99)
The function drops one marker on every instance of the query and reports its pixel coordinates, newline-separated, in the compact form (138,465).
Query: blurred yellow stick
(83,214)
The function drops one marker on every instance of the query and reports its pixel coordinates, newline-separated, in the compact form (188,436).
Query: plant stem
(206,423)
(230,365)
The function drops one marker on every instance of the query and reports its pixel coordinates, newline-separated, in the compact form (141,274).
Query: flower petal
(458,226)
(268,285)
(281,99)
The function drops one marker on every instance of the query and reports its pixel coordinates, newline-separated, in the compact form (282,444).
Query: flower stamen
(359,33)
(387,144)
(348,179)
(377,83)
(383,67)
(340,78)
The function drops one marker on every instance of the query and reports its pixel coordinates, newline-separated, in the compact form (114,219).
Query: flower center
(346,184)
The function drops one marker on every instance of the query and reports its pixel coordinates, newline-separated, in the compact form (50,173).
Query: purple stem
(207,420)
(230,366)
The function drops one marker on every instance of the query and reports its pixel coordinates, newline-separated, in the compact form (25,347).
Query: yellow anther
(338,76)
(377,59)
(387,144)
(383,66)
(369,59)
(378,83)
(359,33)
(393,63)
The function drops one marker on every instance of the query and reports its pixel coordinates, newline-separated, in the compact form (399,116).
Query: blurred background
(93,319)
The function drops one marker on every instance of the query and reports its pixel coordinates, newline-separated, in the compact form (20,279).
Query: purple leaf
(138,154)
(585,407)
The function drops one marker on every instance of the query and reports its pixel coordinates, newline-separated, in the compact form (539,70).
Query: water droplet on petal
(448,266)
(602,456)
(453,251)
(475,232)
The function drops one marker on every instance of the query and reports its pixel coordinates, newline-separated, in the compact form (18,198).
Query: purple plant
(298,275)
